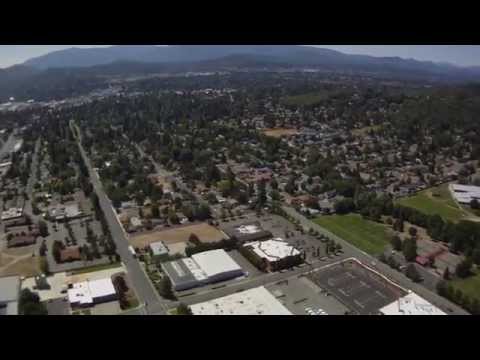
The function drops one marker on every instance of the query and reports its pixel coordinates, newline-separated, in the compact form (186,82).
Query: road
(145,290)
(399,278)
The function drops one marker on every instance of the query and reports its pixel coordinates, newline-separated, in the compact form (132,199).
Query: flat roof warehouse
(257,301)
(202,268)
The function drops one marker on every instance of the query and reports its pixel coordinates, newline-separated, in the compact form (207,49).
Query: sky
(463,55)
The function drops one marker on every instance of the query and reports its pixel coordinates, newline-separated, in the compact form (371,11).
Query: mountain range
(67,67)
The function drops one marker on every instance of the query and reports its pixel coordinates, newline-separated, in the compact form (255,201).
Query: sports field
(435,201)
(366,235)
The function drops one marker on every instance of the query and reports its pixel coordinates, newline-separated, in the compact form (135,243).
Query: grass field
(364,234)
(469,286)
(442,204)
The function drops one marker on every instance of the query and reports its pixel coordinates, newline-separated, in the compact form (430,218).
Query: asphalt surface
(145,290)
(399,278)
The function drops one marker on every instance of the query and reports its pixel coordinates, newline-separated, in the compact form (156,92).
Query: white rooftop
(248,229)
(273,249)
(85,292)
(465,193)
(257,301)
(411,304)
(215,262)
(194,268)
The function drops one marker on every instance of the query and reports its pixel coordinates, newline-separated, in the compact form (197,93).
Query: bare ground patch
(279,132)
(204,231)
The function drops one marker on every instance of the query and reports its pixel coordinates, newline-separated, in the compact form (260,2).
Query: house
(159,250)
(70,253)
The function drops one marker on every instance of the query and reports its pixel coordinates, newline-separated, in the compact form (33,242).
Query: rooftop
(86,292)
(411,304)
(215,262)
(257,301)
(273,250)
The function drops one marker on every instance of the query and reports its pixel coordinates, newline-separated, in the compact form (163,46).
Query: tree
(57,247)
(194,239)
(165,288)
(155,211)
(43,228)
(203,212)
(396,243)
(476,256)
(43,249)
(442,288)
(290,186)
(183,309)
(475,204)
(446,274)
(410,249)
(29,303)
(344,206)
(463,269)
(412,231)
(412,273)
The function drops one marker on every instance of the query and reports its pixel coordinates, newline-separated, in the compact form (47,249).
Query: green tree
(43,228)
(183,309)
(396,243)
(412,231)
(410,249)
(463,269)
(165,288)
(29,303)
(446,274)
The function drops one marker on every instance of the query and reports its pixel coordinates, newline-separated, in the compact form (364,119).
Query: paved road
(394,275)
(142,284)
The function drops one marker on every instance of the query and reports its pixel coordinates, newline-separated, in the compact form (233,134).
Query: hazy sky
(458,54)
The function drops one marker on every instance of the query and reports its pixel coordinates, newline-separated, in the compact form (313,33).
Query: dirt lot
(278,132)
(18,261)
(205,232)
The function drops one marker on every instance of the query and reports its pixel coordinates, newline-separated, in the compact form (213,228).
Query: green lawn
(309,99)
(366,235)
(442,204)
(469,286)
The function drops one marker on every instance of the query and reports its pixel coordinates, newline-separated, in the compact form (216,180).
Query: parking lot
(361,290)
(280,227)
(303,297)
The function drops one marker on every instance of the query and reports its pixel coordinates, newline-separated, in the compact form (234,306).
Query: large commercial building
(274,254)
(257,301)
(202,268)
(464,194)
(411,304)
(93,292)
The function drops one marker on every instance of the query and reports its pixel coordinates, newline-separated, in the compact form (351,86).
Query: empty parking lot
(361,290)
